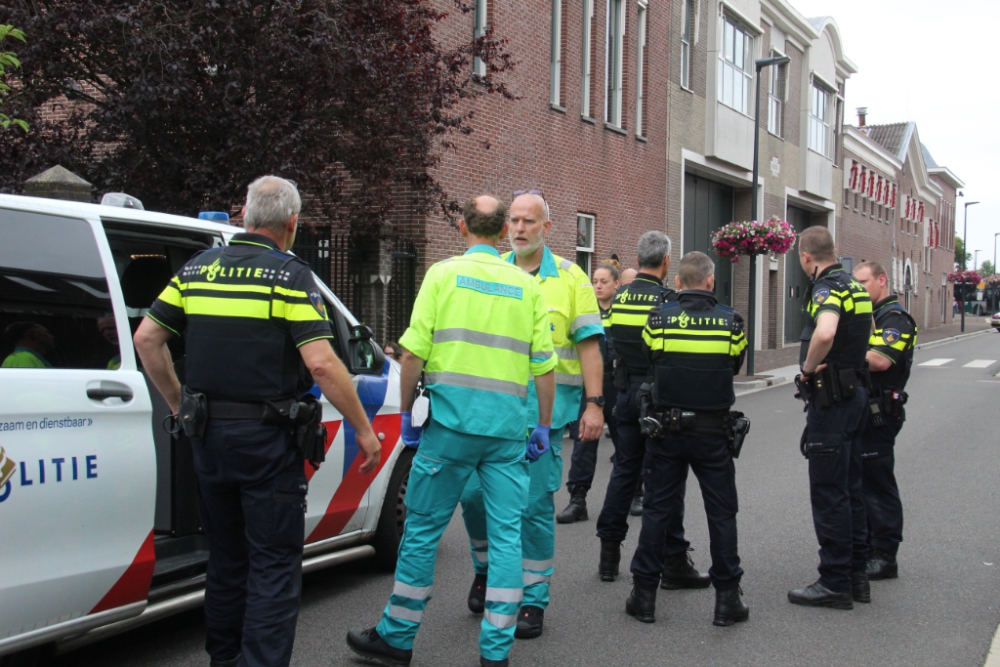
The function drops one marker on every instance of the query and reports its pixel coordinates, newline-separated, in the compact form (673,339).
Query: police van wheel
(390,523)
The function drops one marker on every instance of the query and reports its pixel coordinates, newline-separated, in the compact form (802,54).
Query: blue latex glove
(538,443)
(411,434)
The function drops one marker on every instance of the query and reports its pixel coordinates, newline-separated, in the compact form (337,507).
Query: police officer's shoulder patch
(316,299)
(890,336)
(820,296)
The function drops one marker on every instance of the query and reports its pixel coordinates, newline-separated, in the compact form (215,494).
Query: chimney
(862,112)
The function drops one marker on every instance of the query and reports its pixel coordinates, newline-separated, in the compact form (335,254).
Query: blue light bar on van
(218,216)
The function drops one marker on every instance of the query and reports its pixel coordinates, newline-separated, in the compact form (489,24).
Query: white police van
(98,504)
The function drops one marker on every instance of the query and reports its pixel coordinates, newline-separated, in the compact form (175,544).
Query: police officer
(629,312)
(481,327)
(584,462)
(696,346)
(890,356)
(576,332)
(253,321)
(832,359)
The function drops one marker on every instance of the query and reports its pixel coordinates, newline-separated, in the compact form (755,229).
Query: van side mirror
(364,356)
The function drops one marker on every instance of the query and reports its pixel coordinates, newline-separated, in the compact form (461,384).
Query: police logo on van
(54,470)
(7,467)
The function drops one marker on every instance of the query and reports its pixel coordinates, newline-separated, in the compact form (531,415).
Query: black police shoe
(486,662)
(729,607)
(636,508)
(529,622)
(861,591)
(577,508)
(371,647)
(232,662)
(881,566)
(679,572)
(611,556)
(477,594)
(818,595)
(642,604)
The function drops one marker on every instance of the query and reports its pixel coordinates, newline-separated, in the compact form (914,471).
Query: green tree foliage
(184,102)
(961,257)
(8,60)
(987,268)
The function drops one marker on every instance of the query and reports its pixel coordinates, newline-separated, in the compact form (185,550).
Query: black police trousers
(882,503)
(252,506)
(584,462)
(709,458)
(630,458)
(833,447)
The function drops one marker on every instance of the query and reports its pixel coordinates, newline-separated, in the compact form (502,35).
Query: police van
(98,503)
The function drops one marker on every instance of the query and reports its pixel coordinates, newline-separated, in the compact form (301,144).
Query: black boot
(642,604)
(369,645)
(577,508)
(611,556)
(861,591)
(818,595)
(232,662)
(486,662)
(679,572)
(477,594)
(882,566)
(530,620)
(729,607)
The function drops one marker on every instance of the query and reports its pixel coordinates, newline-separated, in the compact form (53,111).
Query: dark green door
(796,281)
(707,207)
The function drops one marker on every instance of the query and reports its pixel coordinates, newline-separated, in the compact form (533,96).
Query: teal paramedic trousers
(442,467)
(538,527)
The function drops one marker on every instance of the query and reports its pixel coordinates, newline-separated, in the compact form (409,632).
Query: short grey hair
(271,202)
(653,247)
(694,269)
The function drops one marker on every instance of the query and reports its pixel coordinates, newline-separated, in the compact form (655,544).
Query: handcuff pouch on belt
(621,375)
(829,386)
(656,422)
(192,413)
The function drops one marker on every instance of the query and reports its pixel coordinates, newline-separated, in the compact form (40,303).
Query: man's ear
(677,281)
(463,229)
(506,230)
(546,228)
(711,283)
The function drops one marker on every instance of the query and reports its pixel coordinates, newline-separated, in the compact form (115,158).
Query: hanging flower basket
(775,236)
(992,281)
(970,276)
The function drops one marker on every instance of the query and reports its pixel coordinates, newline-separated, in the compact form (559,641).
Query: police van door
(77,470)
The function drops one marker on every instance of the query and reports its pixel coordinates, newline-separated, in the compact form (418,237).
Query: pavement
(774,367)
(942,611)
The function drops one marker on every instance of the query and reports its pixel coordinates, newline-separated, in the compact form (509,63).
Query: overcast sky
(925,61)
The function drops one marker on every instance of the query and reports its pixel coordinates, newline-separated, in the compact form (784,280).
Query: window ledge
(615,128)
(557,107)
(776,136)
(686,89)
(644,139)
(587,119)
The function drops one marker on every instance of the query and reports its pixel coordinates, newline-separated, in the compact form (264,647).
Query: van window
(55,308)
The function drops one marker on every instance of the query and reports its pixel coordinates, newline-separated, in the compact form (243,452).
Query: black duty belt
(235,409)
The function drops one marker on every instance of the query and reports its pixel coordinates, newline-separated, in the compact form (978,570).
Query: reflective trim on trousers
(530,579)
(514,595)
(480,338)
(405,614)
(537,565)
(501,621)
(476,382)
(412,592)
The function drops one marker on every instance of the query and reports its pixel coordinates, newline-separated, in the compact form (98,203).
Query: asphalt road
(943,610)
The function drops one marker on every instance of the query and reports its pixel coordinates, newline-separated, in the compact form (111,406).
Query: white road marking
(993,657)
(935,362)
(980,363)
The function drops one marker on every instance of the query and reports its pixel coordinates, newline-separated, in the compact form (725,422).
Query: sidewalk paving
(773,367)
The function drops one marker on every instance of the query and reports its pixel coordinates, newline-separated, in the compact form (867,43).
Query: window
(478,30)
(687,21)
(820,125)
(555,96)
(584,241)
(736,67)
(588,38)
(55,305)
(640,78)
(776,99)
(615,51)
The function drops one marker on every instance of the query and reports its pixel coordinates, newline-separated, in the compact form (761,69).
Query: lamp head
(767,62)
(970,203)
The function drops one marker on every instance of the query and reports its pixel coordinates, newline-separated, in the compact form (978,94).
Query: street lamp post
(995,252)
(751,323)
(965,251)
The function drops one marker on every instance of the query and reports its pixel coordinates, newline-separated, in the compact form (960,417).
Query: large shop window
(821,121)
(736,66)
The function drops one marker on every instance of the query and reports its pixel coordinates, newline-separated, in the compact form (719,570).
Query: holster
(893,401)
(310,432)
(621,376)
(876,413)
(739,426)
(192,413)
(649,425)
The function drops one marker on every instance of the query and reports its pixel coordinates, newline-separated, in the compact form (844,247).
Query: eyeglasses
(518,193)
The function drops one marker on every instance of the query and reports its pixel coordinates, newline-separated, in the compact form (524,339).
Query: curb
(740,388)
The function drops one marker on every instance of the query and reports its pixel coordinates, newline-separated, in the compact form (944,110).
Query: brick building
(898,208)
